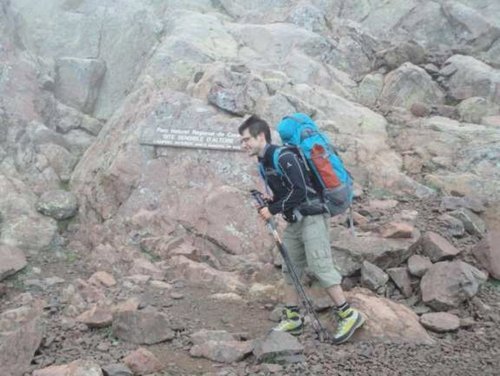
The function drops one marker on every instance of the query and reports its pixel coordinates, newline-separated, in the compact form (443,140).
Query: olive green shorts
(308,244)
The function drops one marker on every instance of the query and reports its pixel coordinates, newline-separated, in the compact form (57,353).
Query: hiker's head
(255,134)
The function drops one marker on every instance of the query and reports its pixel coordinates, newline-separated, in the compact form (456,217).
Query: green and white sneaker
(291,322)
(348,321)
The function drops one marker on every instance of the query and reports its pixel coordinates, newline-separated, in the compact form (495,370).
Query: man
(306,236)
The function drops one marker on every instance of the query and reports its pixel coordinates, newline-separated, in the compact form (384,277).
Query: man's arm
(293,174)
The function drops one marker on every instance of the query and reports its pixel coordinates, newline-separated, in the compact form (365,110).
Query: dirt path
(474,350)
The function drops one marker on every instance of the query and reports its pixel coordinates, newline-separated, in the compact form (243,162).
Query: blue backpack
(320,158)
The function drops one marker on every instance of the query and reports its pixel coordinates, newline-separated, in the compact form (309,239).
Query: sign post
(191,138)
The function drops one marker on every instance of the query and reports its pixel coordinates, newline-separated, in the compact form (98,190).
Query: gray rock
(309,17)
(21,333)
(220,347)
(397,55)
(227,99)
(369,89)
(401,278)
(440,321)
(437,247)
(278,347)
(205,335)
(58,204)
(117,369)
(276,314)
(78,82)
(142,327)
(349,252)
(468,202)
(487,252)
(473,109)
(60,159)
(468,77)
(21,225)
(410,84)
(372,276)
(418,265)
(143,362)
(452,225)
(476,30)
(12,260)
(472,223)
(447,284)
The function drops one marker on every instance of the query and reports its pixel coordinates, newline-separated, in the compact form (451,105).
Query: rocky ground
(190,307)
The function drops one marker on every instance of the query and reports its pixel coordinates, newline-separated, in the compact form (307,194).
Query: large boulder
(78,82)
(468,77)
(387,321)
(135,172)
(410,84)
(349,251)
(447,284)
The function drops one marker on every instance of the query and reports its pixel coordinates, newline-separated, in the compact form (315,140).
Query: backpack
(320,158)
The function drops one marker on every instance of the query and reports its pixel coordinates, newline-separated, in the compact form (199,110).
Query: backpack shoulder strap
(276,164)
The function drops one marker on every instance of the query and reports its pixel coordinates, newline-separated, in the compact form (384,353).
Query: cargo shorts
(308,244)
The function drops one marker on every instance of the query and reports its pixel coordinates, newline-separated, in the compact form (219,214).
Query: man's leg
(291,296)
(292,321)
(319,258)
(336,294)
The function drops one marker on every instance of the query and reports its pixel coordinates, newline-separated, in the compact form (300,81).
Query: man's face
(252,145)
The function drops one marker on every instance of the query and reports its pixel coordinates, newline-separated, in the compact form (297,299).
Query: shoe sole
(358,324)
(296,332)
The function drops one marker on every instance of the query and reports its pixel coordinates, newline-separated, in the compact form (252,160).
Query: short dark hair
(256,126)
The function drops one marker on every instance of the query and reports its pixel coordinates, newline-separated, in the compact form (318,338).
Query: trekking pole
(320,330)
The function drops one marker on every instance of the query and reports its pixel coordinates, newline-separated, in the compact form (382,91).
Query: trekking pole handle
(259,199)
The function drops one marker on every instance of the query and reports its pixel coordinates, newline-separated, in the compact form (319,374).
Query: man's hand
(265,213)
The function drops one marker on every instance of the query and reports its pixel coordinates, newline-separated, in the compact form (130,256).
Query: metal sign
(192,138)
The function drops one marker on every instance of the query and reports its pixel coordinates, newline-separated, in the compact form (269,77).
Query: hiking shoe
(347,322)
(291,322)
